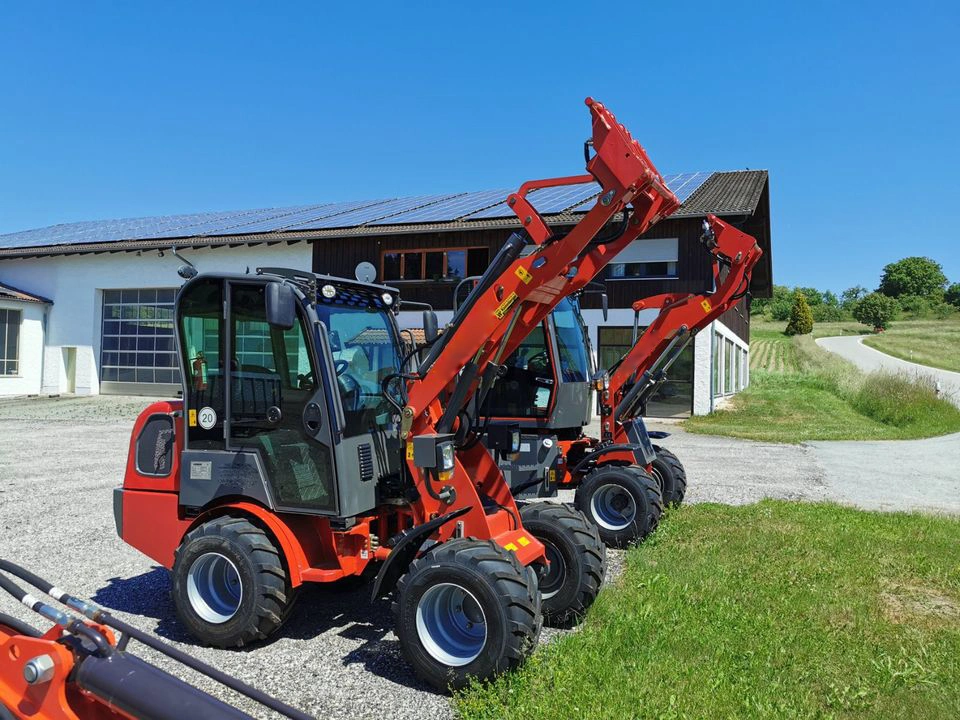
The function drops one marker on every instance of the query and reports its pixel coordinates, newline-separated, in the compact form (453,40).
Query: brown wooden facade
(340,256)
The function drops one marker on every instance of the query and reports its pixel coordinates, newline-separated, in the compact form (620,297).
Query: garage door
(137,349)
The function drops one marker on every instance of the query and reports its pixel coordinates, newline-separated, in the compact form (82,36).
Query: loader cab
(546,382)
(282,398)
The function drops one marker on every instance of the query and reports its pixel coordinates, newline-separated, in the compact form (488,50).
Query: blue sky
(126,109)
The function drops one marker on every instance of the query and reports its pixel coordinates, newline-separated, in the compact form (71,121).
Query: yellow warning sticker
(409,451)
(522,273)
(511,547)
(192,417)
(501,311)
(523,541)
(707,307)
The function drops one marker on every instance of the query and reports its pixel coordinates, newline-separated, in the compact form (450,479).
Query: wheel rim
(451,624)
(214,588)
(556,574)
(613,507)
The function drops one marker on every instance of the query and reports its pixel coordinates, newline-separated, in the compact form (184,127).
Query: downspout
(43,346)
(713,342)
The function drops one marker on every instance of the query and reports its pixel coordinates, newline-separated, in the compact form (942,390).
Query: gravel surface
(337,657)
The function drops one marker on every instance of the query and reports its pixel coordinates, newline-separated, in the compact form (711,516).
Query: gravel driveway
(337,657)
(851,347)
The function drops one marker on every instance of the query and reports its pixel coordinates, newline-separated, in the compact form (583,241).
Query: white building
(86,308)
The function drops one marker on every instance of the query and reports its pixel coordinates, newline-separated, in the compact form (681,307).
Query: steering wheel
(539,362)
(351,392)
(339,366)
(306,381)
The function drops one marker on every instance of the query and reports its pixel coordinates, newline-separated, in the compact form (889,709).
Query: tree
(851,296)
(876,310)
(814,297)
(801,319)
(952,295)
(913,276)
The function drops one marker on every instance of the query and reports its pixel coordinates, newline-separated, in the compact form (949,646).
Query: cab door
(276,404)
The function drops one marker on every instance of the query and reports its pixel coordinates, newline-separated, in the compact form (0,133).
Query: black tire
(578,561)
(638,496)
(669,472)
(500,588)
(263,596)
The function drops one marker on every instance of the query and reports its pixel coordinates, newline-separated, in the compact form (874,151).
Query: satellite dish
(365,272)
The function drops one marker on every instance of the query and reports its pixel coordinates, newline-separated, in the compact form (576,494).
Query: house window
(10,342)
(674,398)
(434,264)
(652,258)
(137,344)
(717,364)
(729,365)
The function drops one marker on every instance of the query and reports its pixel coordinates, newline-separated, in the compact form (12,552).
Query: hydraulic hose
(99,615)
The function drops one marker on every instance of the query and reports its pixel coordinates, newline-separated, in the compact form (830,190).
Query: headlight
(515,441)
(328,291)
(446,456)
(387,299)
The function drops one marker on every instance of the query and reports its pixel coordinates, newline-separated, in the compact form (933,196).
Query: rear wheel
(466,609)
(669,473)
(577,556)
(229,586)
(624,502)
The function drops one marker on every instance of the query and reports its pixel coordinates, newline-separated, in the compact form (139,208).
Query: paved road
(893,474)
(851,348)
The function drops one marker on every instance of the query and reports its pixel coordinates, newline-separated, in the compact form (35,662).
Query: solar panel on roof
(546,201)
(369,214)
(302,216)
(446,210)
(682,184)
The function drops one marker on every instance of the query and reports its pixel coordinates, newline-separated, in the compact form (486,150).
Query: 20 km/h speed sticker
(207,417)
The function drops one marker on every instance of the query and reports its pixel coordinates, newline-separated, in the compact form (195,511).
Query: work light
(328,291)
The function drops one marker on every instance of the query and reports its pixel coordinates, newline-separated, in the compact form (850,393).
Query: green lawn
(799,392)
(770,610)
(928,342)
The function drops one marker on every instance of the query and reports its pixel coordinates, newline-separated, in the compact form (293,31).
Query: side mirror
(604,303)
(281,305)
(430,329)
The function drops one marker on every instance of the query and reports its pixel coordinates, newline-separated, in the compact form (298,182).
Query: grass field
(928,342)
(769,610)
(800,392)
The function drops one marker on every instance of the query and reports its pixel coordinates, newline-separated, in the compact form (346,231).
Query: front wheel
(466,609)
(230,587)
(623,501)
(578,560)
(669,473)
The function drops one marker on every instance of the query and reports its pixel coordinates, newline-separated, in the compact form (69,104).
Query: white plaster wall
(28,381)
(75,284)
(703,400)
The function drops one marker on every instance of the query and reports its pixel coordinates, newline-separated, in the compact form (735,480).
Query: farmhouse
(87,307)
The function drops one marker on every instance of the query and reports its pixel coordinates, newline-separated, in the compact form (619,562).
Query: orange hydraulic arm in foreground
(511,298)
(643,368)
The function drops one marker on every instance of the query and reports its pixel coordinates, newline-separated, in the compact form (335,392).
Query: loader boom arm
(517,292)
(681,317)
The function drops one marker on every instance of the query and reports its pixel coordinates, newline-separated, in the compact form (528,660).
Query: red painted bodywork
(559,266)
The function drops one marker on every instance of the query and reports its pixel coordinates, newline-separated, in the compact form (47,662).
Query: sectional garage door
(137,348)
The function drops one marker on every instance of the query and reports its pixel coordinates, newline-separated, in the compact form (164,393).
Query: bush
(876,310)
(801,319)
(952,295)
(779,310)
(897,400)
(827,313)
